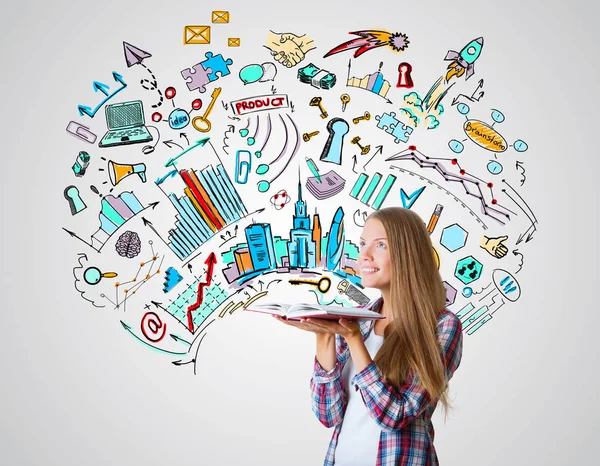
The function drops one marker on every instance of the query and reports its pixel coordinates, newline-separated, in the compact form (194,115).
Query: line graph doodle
(427,180)
(425,162)
(138,284)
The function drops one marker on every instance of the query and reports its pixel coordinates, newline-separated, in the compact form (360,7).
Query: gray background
(76,390)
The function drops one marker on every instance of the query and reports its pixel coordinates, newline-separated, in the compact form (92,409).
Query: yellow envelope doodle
(220,16)
(233,42)
(196,35)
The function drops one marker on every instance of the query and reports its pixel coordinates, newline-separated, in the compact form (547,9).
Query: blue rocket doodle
(464,60)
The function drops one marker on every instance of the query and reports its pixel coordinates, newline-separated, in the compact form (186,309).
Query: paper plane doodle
(133,55)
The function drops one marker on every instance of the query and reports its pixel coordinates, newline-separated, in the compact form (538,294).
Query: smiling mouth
(369,270)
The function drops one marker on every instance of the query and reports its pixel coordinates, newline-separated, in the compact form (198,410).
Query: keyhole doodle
(332,152)
(76,204)
(404,78)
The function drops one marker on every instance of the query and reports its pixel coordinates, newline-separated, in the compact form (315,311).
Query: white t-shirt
(359,437)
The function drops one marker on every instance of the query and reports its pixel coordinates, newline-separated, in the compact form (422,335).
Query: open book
(317,311)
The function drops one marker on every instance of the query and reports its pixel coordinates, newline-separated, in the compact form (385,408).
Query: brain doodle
(129,244)
(190,178)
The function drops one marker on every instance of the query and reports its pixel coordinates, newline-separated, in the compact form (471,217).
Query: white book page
(276,308)
(349,311)
(304,307)
(305,312)
(316,309)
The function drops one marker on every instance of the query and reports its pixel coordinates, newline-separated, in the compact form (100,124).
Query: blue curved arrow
(159,350)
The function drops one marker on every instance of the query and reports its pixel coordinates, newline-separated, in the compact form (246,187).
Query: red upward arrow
(210,261)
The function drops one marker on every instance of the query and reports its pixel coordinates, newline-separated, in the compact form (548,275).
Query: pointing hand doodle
(495,246)
(288,48)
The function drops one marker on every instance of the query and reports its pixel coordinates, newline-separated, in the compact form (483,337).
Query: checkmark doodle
(408,201)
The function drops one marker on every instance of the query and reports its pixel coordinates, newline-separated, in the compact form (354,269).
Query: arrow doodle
(359,218)
(455,101)
(528,233)
(199,142)
(98,86)
(74,235)
(170,174)
(230,129)
(210,261)
(229,236)
(194,349)
(101,87)
(517,253)
(148,223)
(532,228)
(379,150)
(178,339)
(156,348)
(152,86)
(523,173)
(170,144)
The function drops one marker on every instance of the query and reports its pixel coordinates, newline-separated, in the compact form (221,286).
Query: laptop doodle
(125,123)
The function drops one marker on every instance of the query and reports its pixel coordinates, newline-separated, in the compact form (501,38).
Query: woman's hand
(349,329)
(303,324)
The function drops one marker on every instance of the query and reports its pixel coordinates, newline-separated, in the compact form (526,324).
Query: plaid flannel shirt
(403,413)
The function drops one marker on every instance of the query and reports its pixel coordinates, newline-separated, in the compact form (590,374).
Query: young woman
(379,382)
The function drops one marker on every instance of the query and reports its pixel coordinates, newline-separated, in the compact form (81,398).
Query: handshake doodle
(288,48)
(495,246)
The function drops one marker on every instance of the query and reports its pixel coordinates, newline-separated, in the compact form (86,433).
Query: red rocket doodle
(464,60)
(370,40)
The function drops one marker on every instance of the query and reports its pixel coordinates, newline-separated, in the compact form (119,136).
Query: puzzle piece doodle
(216,64)
(401,132)
(387,122)
(198,77)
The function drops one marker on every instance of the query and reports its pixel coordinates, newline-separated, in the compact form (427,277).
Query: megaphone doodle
(117,171)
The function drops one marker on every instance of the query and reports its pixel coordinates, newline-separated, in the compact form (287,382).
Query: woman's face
(374,256)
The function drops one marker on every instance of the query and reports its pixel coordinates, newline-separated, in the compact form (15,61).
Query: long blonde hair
(417,297)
